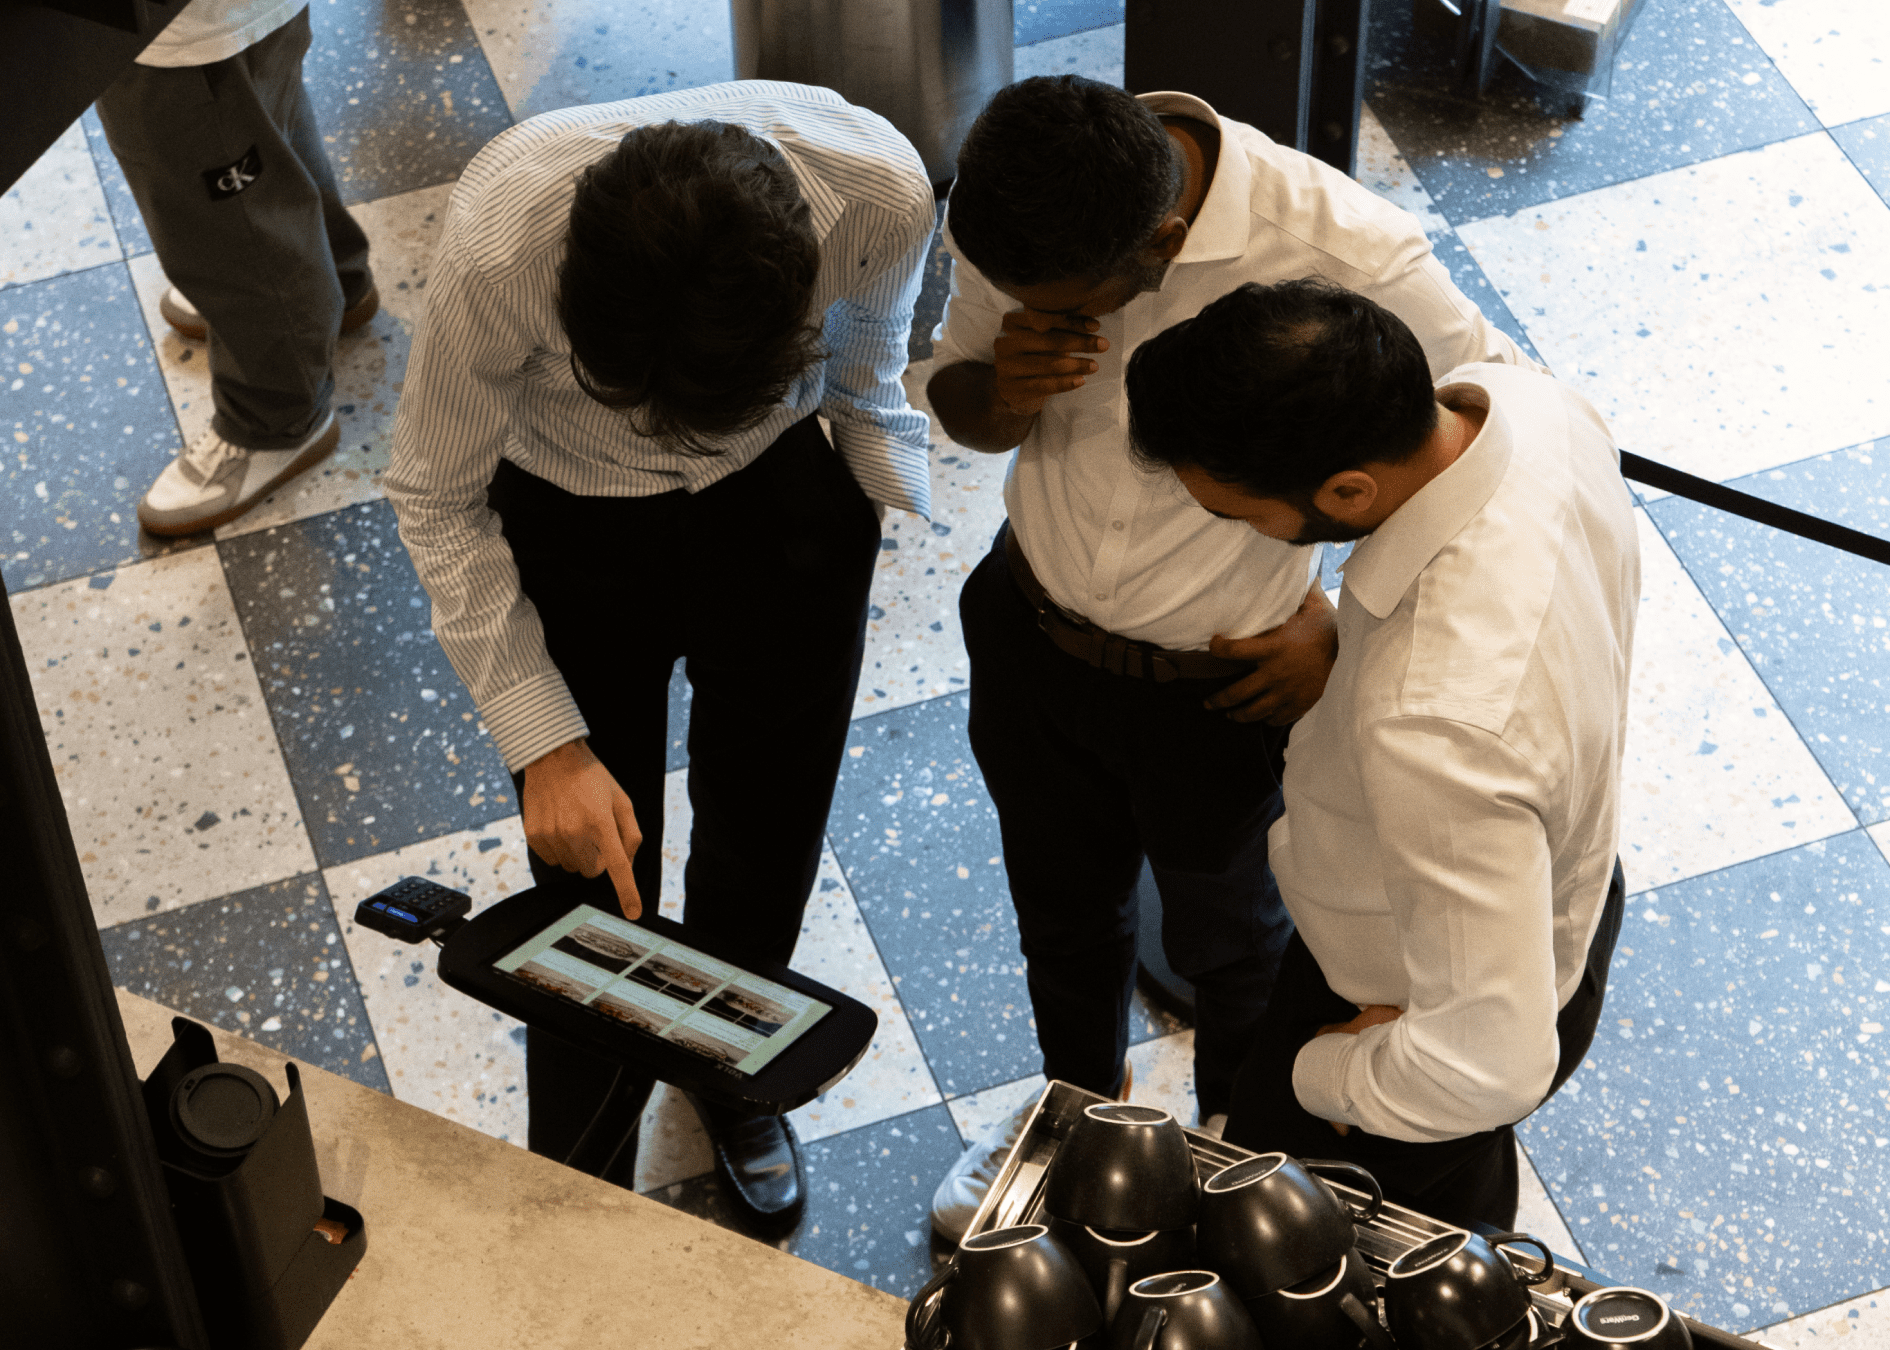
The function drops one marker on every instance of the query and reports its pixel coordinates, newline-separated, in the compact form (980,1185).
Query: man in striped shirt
(607,457)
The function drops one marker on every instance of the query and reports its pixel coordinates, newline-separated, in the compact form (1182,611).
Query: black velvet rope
(1733,502)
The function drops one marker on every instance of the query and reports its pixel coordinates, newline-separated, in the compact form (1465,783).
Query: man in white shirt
(608,456)
(1134,660)
(219,145)
(1452,801)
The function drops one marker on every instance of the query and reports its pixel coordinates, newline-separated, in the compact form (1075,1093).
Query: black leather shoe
(759,1160)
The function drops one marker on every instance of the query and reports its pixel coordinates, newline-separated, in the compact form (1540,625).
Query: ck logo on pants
(233,178)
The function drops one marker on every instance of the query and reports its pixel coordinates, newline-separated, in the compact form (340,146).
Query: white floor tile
(1880,836)
(1835,53)
(1096,53)
(443,1051)
(1382,168)
(1536,1212)
(55,219)
(915,648)
(549,55)
(1714,772)
(976,1112)
(1725,317)
(1858,1324)
(173,783)
(370,363)
(1164,1075)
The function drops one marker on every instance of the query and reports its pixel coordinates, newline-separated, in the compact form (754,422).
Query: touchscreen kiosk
(757,1036)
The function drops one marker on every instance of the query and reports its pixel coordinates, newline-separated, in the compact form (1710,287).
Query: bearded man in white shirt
(1134,662)
(1448,849)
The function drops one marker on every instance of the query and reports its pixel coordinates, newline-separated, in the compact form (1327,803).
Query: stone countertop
(474,1242)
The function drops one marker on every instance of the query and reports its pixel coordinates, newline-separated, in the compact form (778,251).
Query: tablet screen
(618,970)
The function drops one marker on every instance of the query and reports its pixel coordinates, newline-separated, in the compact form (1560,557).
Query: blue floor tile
(126,218)
(403,94)
(933,293)
(679,695)
(1040,20)
(1680,96)
(869,1197)
(90,426)
(930,883)
(1815,622)
(1868,144)
(380,736)
(1725,1143)
(267,964)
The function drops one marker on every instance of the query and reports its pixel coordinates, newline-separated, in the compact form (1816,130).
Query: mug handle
(1152,1322)
(1526,1240)
(923,1325)
(1115,1285)
(1371,1210)
(1366,1320)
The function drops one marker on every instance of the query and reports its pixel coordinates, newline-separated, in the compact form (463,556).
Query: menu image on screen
(689,998)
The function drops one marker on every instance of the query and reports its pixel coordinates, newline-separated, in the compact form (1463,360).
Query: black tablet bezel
(825,1053)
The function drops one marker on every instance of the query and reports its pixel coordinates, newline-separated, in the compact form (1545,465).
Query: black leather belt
(1105,650)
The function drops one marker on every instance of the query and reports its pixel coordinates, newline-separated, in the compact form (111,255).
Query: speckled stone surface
(915,648)
(1856,1324)
(370,364)
(402,93)
(174,787)
(1035,20)
(1868,145)
(918,837)
(1794,249)
(86,427)
(1835,52)
(1714,772)
(1689,85)
(378,730)
(133,237)
(1726,1142)
(869,1194)
(548,56)
(264,963)
(1096,53)
(55,219)
(1815,622)
(442,1050)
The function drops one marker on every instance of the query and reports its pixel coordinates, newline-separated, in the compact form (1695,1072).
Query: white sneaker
(1215,1124)
(955,1202)
(213,481)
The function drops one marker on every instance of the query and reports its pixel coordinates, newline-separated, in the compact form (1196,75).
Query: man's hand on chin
(578,818)
(1371,1015)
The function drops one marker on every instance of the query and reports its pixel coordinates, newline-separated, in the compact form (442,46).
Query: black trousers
(271,267)
(759,584)
(1457,1180)
(1090,772)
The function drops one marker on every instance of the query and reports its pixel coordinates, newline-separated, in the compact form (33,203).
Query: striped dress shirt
(489,377)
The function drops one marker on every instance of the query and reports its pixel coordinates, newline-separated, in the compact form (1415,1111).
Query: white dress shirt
(490,374)
(1129,549)
(1452,801)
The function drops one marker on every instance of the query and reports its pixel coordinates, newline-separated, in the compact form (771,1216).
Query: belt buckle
(1161,668)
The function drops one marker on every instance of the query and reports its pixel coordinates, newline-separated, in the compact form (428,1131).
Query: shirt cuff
(530,720)
(1319,1076)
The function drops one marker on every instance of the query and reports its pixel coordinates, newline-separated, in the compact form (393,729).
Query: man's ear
(1347,496)
(1170,235)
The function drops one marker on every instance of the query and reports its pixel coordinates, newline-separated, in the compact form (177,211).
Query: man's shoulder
(1303,199)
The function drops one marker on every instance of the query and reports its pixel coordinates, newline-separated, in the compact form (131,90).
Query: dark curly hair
(687,280)
(1274,389)
(1062,177)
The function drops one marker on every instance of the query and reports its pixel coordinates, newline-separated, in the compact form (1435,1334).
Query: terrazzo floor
(253,731)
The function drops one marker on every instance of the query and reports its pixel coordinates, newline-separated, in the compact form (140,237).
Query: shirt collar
(1383,566)
(824,205)
(1221,226)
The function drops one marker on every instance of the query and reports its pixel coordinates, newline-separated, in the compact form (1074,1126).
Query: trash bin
(926,66)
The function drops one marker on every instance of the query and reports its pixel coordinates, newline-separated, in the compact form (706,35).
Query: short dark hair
(687,278)
(1062,177)
(1273,389)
